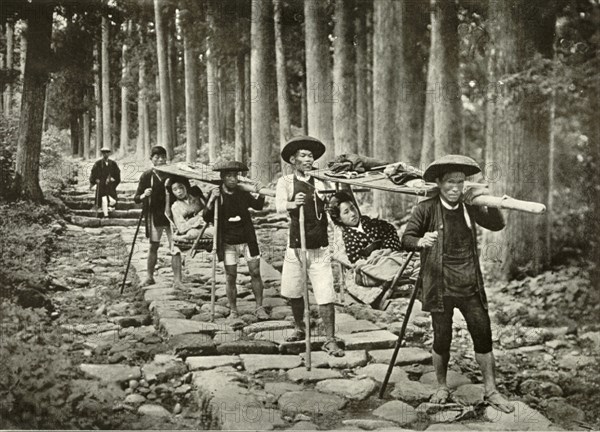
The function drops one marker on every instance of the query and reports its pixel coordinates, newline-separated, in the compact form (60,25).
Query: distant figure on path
(106,176)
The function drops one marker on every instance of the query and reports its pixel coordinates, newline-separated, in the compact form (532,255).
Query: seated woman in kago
(187,210)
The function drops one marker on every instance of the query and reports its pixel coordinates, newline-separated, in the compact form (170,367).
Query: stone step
(88,204)
(116,214)
(125,198)
(92,222)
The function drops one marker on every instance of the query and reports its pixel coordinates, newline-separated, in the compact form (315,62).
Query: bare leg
(487,364)
(440,364)
(298,312)
(327,313)
(230,288)
(177,270)
(151,263)
(257,283)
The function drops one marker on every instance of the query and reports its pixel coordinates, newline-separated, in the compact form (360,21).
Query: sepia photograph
(300,215)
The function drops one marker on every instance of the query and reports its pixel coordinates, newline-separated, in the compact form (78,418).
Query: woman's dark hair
(334,205)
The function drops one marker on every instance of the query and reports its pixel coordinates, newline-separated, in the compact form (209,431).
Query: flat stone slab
(159,294)
(453,379)
(351,360)
(406,356)
(366,424)
(469,394)
(572,361)
(300,374)
(412,391)
(247,347)
(369,340)
(162,371)
(268,273)
(184,307)
(398,412)
(192,344)
(211,362)
(354,389)
(310,402)
(266,326)
(111,373)
(279,388)
(257,362)
(523,418)
(153,410)
(377,371)
(356,326)
(174,327)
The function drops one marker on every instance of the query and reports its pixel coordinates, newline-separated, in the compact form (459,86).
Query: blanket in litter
(353,162)
(380,267)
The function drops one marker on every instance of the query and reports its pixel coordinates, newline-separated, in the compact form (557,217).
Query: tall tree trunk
(370,75)
(247,109)
(517,131)
(344,80)
(319,83)
(86,124)
(428,146)
(159,117)
(106,117)
(10,39)
(163,76)
(212,85)
(240,103)
(447,109)
(140,149)
(303,107)
(26,184)
(260,59)
(74,132)
(361,70)
(172,67)
(282,82)
(97,101)
(23,47)
(124,137)
(387,49)
(191,110)
(412,82)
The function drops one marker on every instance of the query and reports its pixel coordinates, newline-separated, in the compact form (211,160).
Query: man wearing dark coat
(106,176)
(235,232)
(442,229)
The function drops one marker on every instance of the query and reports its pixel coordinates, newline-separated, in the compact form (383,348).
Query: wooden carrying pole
(305,289)
(214,261)
(509,203)
(137,230)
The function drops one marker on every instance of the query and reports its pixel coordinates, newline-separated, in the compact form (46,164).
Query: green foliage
(9,129)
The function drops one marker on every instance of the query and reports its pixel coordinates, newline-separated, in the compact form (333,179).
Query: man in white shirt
(292,192)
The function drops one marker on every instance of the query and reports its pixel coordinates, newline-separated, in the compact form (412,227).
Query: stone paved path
(170,361)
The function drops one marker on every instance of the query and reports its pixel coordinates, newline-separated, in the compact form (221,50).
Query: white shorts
(319,271)
(156,232)
(233,253)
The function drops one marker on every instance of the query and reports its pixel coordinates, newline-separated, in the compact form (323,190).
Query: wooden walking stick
(402,331)
(214,261)
(137,230)
(305,288)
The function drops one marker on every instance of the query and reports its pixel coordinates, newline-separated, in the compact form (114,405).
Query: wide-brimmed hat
(230,166)
(105,149)
(302,143)
(450,163)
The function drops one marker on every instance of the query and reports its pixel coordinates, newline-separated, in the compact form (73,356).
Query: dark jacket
(102,172)
(243,200)
(427,217)
(157,200)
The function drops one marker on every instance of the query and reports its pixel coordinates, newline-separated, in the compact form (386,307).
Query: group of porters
(442,228)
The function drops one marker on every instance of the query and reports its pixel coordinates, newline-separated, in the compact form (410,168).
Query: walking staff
(297,194)
(213,287)
(137,230)
(305,288)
